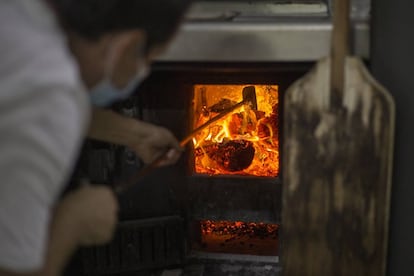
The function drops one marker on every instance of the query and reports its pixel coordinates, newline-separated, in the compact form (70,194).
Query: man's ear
(122,42)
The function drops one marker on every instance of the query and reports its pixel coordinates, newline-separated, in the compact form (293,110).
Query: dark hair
(94,18)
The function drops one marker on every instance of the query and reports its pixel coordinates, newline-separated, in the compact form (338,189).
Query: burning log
(235,123)
(259,114)
(242,123)
(269,126)
(232,156)
(222,105)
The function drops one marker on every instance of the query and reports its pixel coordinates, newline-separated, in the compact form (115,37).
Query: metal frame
(288,39)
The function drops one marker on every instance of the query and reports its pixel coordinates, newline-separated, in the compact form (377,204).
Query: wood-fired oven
(220,206)
(225,193)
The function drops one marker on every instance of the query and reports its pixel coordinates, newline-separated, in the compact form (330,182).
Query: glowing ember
(237,237)
(245,142)
(238,228)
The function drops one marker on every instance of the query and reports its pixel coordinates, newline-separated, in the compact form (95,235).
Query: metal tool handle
(210,122)
(122,186)
(249,97)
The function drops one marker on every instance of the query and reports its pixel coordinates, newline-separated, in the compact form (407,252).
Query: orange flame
(245,142)
(238,227)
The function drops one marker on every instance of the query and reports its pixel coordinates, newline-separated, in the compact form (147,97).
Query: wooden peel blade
(337,167)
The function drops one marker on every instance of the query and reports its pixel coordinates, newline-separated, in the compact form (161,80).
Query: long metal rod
(123,186)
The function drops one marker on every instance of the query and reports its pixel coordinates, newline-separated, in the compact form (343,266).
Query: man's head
(120,33)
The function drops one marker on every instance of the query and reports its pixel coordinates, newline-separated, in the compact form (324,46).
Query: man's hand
(148,141)
(92,210)
(154,142)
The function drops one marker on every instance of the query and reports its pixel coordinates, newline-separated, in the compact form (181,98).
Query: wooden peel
(337,166)
(249,98)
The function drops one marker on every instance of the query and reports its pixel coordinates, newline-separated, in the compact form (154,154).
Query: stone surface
(208,264)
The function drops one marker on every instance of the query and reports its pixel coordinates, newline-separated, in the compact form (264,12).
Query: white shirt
(44,111)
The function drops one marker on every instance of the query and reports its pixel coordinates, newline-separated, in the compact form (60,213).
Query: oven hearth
(238,237)
(222,216)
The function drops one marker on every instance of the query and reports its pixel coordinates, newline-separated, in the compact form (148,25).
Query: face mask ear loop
(143,71)
(142,62)
(110,61)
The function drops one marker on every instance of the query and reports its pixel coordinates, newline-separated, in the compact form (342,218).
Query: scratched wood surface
(336,174)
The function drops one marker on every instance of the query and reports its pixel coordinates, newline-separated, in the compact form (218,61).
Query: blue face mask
(106,93)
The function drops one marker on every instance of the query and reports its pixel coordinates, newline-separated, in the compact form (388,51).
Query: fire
(238,228)
(246,142)
(239,237)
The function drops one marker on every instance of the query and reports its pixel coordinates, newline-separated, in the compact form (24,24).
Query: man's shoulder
(38,74)
(35,57)
(34,49)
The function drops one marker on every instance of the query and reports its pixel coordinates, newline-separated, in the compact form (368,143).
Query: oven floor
(218,264)
(213,264)
(242,244)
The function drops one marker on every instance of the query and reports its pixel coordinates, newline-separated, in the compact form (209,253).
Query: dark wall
(393,65)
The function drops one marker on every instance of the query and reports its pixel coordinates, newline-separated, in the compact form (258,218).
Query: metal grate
(139,245)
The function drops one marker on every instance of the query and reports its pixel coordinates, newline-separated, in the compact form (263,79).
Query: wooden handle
(340,49)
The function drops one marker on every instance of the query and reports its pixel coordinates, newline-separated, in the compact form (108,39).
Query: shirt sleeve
(40,136)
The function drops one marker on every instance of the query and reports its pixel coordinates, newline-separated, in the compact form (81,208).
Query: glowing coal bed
(238,238)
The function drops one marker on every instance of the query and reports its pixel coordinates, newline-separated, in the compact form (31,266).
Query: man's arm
(62,244)
(147,140)
(64,239)
(85,217)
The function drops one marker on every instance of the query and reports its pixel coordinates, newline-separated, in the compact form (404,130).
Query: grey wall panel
(392,63)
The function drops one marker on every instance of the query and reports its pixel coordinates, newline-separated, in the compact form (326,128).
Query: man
(51,53)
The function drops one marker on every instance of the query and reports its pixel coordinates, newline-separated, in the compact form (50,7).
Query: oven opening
(246,141)
(237,237)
